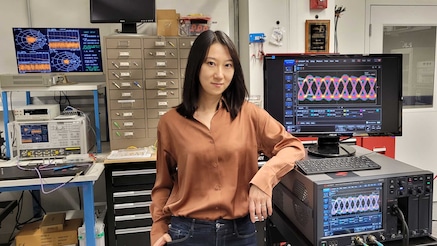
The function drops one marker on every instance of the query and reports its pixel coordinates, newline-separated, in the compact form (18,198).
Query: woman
(208,188)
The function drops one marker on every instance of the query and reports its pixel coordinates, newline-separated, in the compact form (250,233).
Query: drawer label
(161,64)
(127,124)
(161,83)
(162,103)
(162,93)
(124,53)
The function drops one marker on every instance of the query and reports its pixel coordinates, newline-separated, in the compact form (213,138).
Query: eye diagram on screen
(45,50)
(340,88)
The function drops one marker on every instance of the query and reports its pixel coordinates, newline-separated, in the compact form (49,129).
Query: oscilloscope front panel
(54,138)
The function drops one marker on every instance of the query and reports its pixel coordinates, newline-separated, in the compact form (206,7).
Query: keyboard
(337,164)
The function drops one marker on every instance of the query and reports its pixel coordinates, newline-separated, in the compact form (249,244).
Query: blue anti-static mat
(13,172)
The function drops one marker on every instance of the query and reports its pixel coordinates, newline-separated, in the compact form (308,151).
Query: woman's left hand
(260,204)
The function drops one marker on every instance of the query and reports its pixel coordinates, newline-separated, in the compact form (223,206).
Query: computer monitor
(58,50)
(126,12)
(332,96)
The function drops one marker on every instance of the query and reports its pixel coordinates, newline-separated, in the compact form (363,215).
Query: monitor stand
(330,146)
(129,27)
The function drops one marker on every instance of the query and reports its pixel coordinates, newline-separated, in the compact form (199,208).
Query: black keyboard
(337,164)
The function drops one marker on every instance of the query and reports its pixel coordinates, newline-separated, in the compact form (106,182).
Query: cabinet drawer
(127,114)
(186,43)
(128,134)
(156,113)
(162,93)
(160,53)
(152,132)
(128,211)
(125,74)
(125,64)
(184,63)
(160,63)
(122,201)
(126,94)
(183,53)
(123,43)
(117,84)
(162,73)
(127,124)
(133,177)
(162,103)
(127,104)
(124,54)
(152,123)
(382,145)
(160,43)
(162,83)
(132,221)
(133,236)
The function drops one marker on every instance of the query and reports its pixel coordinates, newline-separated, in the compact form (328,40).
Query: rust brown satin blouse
(206,173)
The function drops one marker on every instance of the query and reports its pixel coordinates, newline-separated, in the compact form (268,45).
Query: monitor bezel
(272,100)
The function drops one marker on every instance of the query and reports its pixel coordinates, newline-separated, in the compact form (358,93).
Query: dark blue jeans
(186,231)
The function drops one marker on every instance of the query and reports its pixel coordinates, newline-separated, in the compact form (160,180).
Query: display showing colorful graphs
(336,88)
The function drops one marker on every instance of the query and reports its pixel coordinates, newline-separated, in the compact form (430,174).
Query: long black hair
(234,95)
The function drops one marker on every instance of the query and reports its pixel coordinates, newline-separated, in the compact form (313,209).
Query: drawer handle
(137,84)
(132,193)
(133,217)
(133,230)
(115,84)
(133,172)
(380,149)
(116,75)
(132,205)
(115,65)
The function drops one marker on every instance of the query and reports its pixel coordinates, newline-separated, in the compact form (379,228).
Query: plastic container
(100,234)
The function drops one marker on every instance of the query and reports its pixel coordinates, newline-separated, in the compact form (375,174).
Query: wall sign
(317,36)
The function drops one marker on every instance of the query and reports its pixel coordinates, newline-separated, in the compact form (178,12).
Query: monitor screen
(330,96)
(127,12)
(58,50)
(352,208)
(34,133)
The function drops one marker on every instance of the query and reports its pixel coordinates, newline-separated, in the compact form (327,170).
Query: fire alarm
(318,4)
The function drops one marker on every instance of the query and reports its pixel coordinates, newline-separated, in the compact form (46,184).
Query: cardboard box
(32,235)
(167,23)
(53,222)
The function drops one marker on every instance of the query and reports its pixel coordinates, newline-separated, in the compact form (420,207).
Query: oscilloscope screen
(352,208)
(315,95)
(34,133)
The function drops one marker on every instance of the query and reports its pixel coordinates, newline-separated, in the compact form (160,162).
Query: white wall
(292,16)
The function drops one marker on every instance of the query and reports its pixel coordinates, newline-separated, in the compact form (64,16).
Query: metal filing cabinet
(128,192)
(144,77)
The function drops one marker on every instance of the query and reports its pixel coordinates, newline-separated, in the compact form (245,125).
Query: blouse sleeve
(160,193)
(283,149)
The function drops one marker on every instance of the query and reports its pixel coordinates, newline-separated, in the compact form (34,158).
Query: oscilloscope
(49,138)
(336,209)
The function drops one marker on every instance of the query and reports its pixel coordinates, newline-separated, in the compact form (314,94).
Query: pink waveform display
(350,205)
(349,88)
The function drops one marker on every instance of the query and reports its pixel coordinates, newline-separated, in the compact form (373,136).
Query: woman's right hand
(163,240)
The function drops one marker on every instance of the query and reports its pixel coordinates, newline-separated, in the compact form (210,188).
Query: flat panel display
(58,50)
